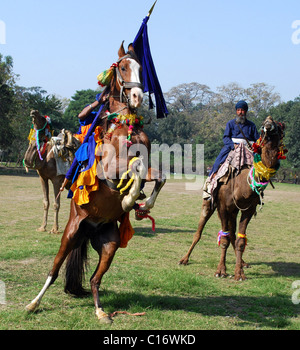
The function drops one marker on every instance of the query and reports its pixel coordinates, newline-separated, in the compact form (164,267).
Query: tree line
(198,115)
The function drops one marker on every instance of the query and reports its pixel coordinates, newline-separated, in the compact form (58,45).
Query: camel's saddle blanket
(64,147)
(237,159)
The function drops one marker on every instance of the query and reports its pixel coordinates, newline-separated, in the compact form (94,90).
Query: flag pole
(151,10)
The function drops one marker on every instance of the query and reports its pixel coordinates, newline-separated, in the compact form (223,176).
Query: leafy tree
(6,99)
(185,96)
(78,102)
(261,97)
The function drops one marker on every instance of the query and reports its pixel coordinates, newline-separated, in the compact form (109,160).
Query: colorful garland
(34,136)
(125,175)
(119,120)
(262,170)
(256,186)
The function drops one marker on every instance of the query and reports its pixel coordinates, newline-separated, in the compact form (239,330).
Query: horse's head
(129,77)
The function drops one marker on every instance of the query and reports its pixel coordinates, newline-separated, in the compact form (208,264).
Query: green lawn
(146,277)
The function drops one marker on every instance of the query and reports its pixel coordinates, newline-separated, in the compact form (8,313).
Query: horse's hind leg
(206,213)
(71,238)
(106,244)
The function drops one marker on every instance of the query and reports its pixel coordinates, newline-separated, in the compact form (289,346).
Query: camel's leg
(71,238)
(106,244)
(56,187)
(45,188)
(241,243)
(206,213)
(224,241)
(232,228)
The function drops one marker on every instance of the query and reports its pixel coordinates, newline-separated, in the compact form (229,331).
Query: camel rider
(235,133)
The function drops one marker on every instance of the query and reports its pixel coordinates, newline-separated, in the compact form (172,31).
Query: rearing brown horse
(97,220)
(241,192)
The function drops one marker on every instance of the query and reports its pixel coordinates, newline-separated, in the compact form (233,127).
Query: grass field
(146,277)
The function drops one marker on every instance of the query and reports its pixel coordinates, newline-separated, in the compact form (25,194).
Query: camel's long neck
(266,164)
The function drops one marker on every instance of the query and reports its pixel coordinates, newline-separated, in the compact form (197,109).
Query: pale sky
(62,45)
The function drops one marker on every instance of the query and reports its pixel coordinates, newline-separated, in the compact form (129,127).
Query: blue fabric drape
(150,80)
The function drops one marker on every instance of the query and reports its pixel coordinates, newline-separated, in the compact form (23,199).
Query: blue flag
(150,80)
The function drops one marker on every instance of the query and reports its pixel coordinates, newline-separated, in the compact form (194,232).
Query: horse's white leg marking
(36,302)
(149,204)
(129,200)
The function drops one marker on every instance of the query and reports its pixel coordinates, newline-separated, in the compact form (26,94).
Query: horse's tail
(75,270)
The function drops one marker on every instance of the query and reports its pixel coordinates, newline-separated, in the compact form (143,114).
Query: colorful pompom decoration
(105,77)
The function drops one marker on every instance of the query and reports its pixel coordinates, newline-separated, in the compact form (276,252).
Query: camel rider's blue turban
(243,105)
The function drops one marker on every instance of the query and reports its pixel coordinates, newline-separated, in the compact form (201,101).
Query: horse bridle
(125,84)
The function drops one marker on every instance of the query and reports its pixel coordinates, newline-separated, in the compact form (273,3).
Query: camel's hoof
(183,262)
(54,232)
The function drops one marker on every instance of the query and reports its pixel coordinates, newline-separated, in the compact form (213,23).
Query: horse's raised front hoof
(103,317)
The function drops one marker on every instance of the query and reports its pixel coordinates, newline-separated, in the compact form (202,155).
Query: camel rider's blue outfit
(233,135)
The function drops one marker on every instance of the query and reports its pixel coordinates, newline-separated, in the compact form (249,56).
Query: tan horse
(240,193)
(97,220)
(43,161)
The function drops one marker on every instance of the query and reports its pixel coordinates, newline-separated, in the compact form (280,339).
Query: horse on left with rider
(112,169)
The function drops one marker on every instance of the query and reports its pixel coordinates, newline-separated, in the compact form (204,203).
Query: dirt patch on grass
(279,196)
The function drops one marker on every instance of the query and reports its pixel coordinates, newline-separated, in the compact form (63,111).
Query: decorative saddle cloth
(238,158)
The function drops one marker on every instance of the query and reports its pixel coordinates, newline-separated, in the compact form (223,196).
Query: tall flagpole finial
(151,10)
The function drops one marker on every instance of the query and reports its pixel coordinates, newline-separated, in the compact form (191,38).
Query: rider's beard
(241,119)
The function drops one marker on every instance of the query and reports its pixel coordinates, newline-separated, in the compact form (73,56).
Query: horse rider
(86,118)
(238,130)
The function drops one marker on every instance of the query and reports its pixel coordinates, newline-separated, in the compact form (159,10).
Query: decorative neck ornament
(118,120)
